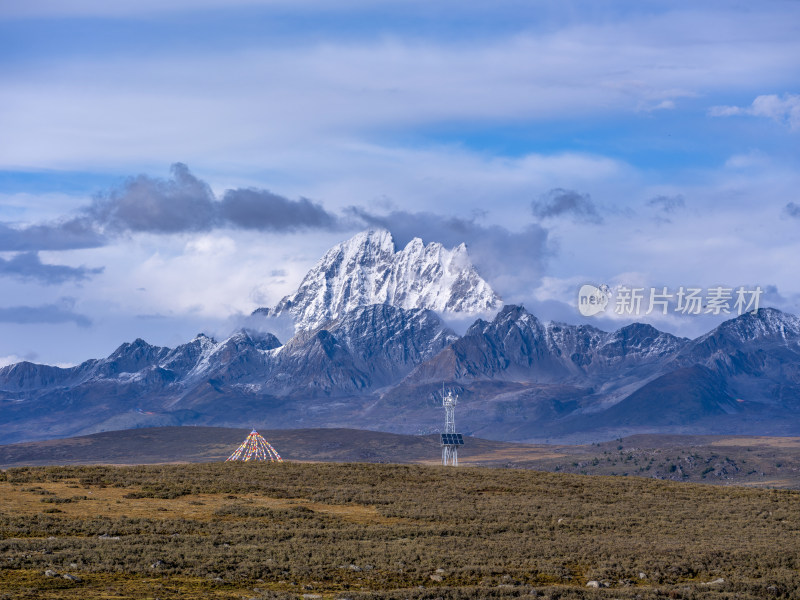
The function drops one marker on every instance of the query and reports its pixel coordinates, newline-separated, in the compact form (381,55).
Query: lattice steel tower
(450,439)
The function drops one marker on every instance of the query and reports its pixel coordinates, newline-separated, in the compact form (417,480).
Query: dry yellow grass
(33,584)
(523,454)
(512,455)
(769,483)
(111,502)
(771,442)
(387,531)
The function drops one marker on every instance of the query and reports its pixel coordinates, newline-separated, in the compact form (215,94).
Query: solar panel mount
(452,439)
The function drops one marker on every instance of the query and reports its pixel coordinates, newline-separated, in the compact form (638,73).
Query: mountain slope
(366,347)
(682,398)
(249,375)
(757,354)
(383,367)
(371,351)
(517,345)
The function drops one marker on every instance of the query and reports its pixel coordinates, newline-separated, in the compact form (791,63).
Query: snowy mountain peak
(765,323)
(366,270)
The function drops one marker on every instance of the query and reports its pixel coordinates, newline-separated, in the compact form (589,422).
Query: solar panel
(452,439)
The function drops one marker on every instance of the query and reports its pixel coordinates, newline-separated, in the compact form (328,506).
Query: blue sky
(652,144)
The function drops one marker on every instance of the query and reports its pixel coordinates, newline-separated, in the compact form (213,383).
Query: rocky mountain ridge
(371,350)
(382,367)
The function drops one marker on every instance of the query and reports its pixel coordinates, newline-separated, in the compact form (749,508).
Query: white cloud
(267,105)
(347,120)
(781,109)
(453,179)
(10,360)
(725,111)
(203,275)
(211,245)
(752,159)
(663,105)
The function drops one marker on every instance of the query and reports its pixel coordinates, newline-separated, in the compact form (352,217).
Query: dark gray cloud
(28,266)
(185,203)
(69,234)
(512,262)
(63,312)
(261,209)
(667,204)
(560,202)
(793,210)
(182,203)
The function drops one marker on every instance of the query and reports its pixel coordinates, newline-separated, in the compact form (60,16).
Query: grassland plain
(722,460)
(334,530)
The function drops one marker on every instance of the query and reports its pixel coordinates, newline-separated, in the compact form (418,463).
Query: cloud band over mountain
(184,203)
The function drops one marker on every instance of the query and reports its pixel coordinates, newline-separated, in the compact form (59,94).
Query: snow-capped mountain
(249,375)
(366,270)
(378,366)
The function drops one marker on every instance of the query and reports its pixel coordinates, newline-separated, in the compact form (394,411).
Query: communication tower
(450,439)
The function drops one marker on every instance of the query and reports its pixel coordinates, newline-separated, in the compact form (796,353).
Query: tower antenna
(450,439)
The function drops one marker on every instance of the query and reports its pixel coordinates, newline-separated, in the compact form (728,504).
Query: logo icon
(593,299)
